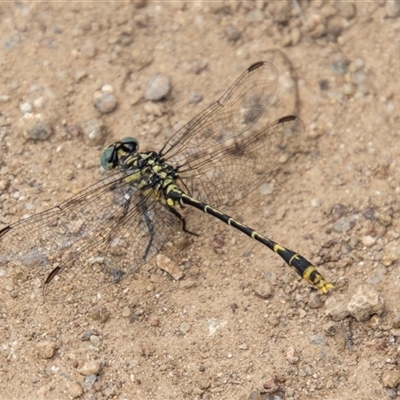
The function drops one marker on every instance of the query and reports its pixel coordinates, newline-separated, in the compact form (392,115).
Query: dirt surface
(231,320)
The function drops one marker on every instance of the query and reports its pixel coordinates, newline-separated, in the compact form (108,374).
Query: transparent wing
(116,249)
(110,226)
(34,238)
(235,112)
(231,173)
(227,174)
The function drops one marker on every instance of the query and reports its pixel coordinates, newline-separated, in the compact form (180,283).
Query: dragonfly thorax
(148,170)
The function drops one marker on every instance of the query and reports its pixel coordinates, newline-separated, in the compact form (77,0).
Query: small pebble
(141,58)
(340,67)
(40,103)
(4,98)
(90,368)
(108,392)
(392,8)
(255,396)
(291,356)
(146,350)
(154,320)
(263,290)
(380,344)
(388,259)
(94,132)
(185,327)
(343,224)
(34,126)
(346,9)
(158,87)
(334,28)
(356,65)
(25,107)
(315,202)
(338,211)
(180,242)
(195,97)
(74,389)
(105,102)
(68,174)
(281,12)
(155,109)
(79,74)
(167,265)
(199,66)
(316,26)
(44,391)
(324,84)
(46,349)
(88,49)
(365,303)
(359,77)
(266,188)
(330,329)
(317,340)
(216,6)
(336,307)
(89,381)
(95,341)
(396,321)
(255,16)
(368,240)
(391,378)
(100,314)
(349,89)
(385,219)
(126,312)
(4,184)
(315,301)
(88,334)
(391,393)
(232,33)
(204,383)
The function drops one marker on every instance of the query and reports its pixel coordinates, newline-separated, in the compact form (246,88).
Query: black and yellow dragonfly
(119,223)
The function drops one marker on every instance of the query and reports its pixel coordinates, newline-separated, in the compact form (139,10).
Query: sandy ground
(235,323)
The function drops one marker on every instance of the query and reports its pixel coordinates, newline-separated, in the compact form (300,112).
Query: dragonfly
(105,232)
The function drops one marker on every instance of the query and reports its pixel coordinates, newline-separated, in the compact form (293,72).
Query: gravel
(90,368)
(105,100)
(36,127)
(94,132)
(158,87)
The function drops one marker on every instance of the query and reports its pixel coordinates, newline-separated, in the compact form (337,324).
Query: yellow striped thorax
(146,171)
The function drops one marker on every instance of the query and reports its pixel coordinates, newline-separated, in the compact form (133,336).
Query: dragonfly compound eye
(108,159)
(129,144)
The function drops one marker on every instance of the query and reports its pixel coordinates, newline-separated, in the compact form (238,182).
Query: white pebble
(315,202)
(368,240)
(25,107)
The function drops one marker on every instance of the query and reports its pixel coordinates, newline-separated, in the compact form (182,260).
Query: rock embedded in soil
(94,132)
(46,349)
(365,303)
(158,87)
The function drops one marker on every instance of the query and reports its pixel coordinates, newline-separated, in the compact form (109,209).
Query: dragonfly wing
(104,262)
(57,229)
(227,175)
(235,112)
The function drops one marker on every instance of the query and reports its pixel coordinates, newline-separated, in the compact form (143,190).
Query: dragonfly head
(112,155)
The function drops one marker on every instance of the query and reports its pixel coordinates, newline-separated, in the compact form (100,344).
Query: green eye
(131,144)
(106,159)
